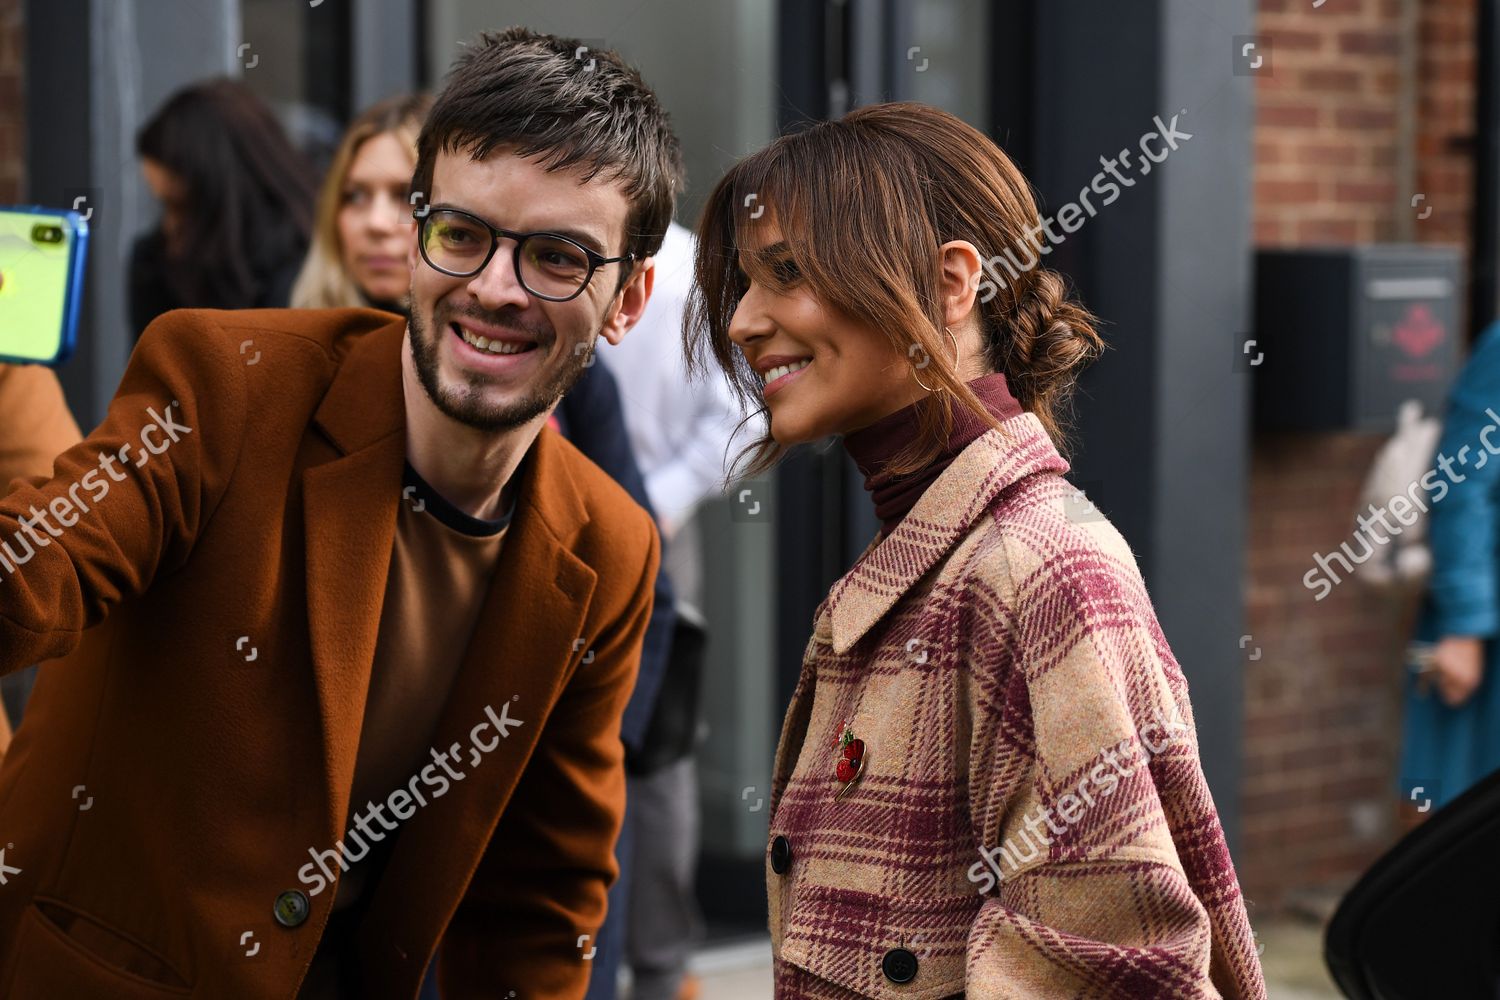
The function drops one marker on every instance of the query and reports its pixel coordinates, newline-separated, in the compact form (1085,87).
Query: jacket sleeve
(1464,511)
(534,907)
(35,427)
(1104,868)
(128,501)
(35,423)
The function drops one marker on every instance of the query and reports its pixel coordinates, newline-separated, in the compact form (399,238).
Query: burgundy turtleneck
(874,446)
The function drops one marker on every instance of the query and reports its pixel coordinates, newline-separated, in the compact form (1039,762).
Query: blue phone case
(78,230)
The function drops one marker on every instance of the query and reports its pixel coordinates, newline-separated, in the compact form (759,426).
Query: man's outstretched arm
(129,500)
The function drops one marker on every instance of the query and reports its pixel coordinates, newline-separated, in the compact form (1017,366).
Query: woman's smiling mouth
(777,376)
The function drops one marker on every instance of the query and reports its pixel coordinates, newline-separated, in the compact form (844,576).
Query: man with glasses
(346,647)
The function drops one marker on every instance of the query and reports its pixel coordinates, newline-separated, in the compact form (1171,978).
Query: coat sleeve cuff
(1469,617)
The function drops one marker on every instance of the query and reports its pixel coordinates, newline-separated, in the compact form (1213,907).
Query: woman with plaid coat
(987,783)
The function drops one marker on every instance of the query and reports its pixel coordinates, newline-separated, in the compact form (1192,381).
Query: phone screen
(41,280)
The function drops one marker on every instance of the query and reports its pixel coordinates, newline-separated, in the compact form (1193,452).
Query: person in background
(35,426)
(680,431)
(1452,730)
(590,417)
(363,225)
(236,205)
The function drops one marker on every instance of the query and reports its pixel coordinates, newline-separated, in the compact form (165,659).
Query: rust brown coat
(209,776)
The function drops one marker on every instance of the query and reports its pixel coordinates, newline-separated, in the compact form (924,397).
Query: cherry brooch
(850,762)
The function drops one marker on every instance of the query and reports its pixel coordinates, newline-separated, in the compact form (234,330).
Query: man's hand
(1458,667)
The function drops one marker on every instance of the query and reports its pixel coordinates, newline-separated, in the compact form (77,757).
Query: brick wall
(1322,706)
(1326,126)
(1336,163)
(1445,119)
(12,103)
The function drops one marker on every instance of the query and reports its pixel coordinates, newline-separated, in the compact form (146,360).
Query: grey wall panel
(1161,441)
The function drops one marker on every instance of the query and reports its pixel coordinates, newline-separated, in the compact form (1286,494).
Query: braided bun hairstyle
(1042,340)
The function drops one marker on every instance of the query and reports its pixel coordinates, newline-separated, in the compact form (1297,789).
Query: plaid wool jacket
(1028,818)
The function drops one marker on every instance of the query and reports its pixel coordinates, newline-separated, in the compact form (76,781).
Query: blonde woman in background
(363,227)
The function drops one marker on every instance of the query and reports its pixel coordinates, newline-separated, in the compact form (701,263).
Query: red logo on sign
(1418,332)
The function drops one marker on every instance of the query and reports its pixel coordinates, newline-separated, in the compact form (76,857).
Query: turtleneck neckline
(873,447)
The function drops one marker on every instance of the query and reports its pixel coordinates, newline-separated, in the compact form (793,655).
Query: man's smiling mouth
(492,345)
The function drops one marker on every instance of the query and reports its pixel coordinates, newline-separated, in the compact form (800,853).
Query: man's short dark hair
(536,95)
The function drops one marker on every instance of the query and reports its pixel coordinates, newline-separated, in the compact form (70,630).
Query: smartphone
(42,254)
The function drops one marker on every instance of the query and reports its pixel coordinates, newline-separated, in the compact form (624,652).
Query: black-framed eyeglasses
(548,265)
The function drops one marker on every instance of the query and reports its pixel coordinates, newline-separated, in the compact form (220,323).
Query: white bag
(1404,459)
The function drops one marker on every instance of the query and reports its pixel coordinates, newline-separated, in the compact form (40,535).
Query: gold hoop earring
(941,388)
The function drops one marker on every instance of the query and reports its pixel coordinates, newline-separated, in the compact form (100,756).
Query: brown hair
(323,283)
(863,203)
(554,98)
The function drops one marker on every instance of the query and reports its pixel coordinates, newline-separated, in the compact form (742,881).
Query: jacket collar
(364,403)
(1020,447)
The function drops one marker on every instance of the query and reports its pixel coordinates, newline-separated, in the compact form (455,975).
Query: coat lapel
(1020,447)
(518,661)
(350,507)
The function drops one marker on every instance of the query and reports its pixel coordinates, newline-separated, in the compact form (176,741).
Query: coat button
(899,966)
(291,908)
(781,855)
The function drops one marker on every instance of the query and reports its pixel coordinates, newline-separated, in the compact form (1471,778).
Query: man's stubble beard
(468,408)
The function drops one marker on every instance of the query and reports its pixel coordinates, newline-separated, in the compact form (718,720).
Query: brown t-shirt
(441,566)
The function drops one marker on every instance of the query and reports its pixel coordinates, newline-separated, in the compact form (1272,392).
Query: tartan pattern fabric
(1031,819)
